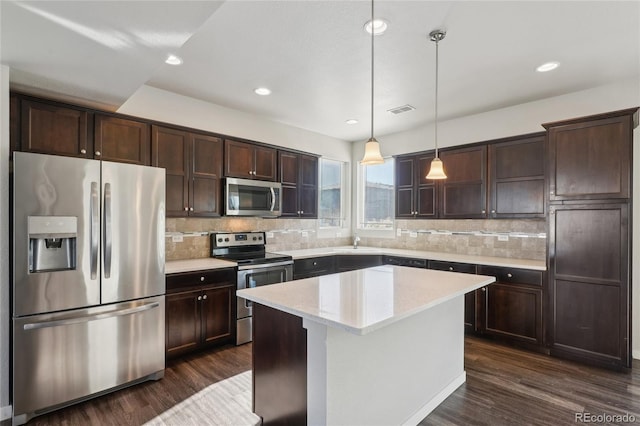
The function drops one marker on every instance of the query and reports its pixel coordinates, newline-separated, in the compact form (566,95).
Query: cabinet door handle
(199,297)
(204,297)
(97,153)
(83,151)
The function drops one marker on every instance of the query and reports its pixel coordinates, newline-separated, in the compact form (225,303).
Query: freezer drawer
(63,357)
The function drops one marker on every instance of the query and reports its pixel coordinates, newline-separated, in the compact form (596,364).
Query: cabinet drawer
(452,266)
(313,266)
(512,275)
(215,277)
(405,261)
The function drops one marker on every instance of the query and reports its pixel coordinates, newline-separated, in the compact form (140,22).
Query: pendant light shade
(372,154)
(437,168)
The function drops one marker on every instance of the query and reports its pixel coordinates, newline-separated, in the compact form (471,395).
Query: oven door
(250,276)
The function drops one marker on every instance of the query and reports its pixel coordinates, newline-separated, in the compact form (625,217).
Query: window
(331,203)
(376,187)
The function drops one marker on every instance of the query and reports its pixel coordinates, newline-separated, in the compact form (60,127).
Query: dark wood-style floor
(505,386)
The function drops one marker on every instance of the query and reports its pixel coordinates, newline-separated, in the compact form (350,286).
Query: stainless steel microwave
(246,197)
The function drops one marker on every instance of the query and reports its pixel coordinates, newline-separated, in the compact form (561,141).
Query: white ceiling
(315,55)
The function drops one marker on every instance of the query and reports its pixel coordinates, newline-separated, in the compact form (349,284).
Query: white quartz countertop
(177,266)
(538,265)
(364,300)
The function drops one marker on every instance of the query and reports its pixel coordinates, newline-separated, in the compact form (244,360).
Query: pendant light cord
(372,35)
(436,124)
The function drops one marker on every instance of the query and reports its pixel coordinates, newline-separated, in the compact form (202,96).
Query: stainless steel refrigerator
(88,279)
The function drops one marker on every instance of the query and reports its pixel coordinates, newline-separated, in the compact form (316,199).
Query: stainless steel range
(256,267)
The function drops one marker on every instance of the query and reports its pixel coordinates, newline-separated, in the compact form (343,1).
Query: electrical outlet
(269,235)
(305,234)
(413,234)
(399,232)
(177,238)
(503,238)
(338,234)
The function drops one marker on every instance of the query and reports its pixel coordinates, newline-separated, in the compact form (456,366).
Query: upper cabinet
(249,161)
(299,178)
(54,129)
(193,164)
(517,177)
(122,140)
(464,193)
(590,158)
(415,194)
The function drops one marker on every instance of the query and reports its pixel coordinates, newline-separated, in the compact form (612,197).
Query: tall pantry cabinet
(589,252)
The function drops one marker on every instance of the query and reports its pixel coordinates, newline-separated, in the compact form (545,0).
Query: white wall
(527,118)
(160,105)
(5,247)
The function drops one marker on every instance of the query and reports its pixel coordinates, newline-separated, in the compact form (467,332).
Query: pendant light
(372,154)
(437,169)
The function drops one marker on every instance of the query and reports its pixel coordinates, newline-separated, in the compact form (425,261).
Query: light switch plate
(503,238)
(269,235)
(413,234)
(399,232)
(177,238)
(305,234)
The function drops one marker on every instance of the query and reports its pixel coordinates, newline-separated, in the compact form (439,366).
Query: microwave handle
(273,198)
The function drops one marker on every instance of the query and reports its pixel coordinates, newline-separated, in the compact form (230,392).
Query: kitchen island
(376,346)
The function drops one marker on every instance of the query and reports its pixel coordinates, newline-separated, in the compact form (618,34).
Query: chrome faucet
(356,240)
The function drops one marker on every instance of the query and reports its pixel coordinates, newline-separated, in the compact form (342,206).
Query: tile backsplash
(524,237)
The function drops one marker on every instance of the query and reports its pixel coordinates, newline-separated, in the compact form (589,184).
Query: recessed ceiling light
(379,26)
(173,60)
(352,121)
(262,91)
(549,66)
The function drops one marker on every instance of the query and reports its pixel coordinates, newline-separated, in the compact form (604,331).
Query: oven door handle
(265,265)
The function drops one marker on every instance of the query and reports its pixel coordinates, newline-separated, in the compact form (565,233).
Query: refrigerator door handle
(107,230)
(93,317)
(94,213)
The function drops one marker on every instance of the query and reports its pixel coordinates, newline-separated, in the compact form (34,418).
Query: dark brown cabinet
(517,177)
(193,164)
(512,306)
(54,129)
(415,194)
(589,268)
(299,178)
(464,193)
(122,140)
(14,124)
(471,299)
(350,262)
(590,158)
(199,310)
(313,267)
(249,161)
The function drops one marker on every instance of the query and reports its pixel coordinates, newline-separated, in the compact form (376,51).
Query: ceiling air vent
(401,109)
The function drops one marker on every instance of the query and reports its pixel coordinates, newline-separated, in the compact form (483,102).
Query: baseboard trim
(635,354)
(437,400)
(5,412)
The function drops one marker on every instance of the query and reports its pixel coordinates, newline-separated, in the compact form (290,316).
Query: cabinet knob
(451,268)
(301,211)
(484,289)
(97,153)
(509,275)
(201,278)
(493,212)
(191,209)
(83,151)
(186,209)
(551,192)
(250,172)
(199,297)
(204,297)
(315,263)
(484,211)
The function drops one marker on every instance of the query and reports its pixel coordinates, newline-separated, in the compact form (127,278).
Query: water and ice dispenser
(52,243)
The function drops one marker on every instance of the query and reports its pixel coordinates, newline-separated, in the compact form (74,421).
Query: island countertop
(365,300)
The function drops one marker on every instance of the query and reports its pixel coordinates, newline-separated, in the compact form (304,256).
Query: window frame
(343,229)
(360,204)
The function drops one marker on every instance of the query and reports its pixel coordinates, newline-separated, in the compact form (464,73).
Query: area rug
(225,403)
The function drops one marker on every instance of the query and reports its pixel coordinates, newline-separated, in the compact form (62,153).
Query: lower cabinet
(512,306)
(470,299)
(313,267)
(350,262)
(199,311)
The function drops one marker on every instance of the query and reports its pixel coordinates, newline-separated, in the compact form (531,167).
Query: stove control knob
(255,238)
(219,240)
(260,238)
(226,240)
